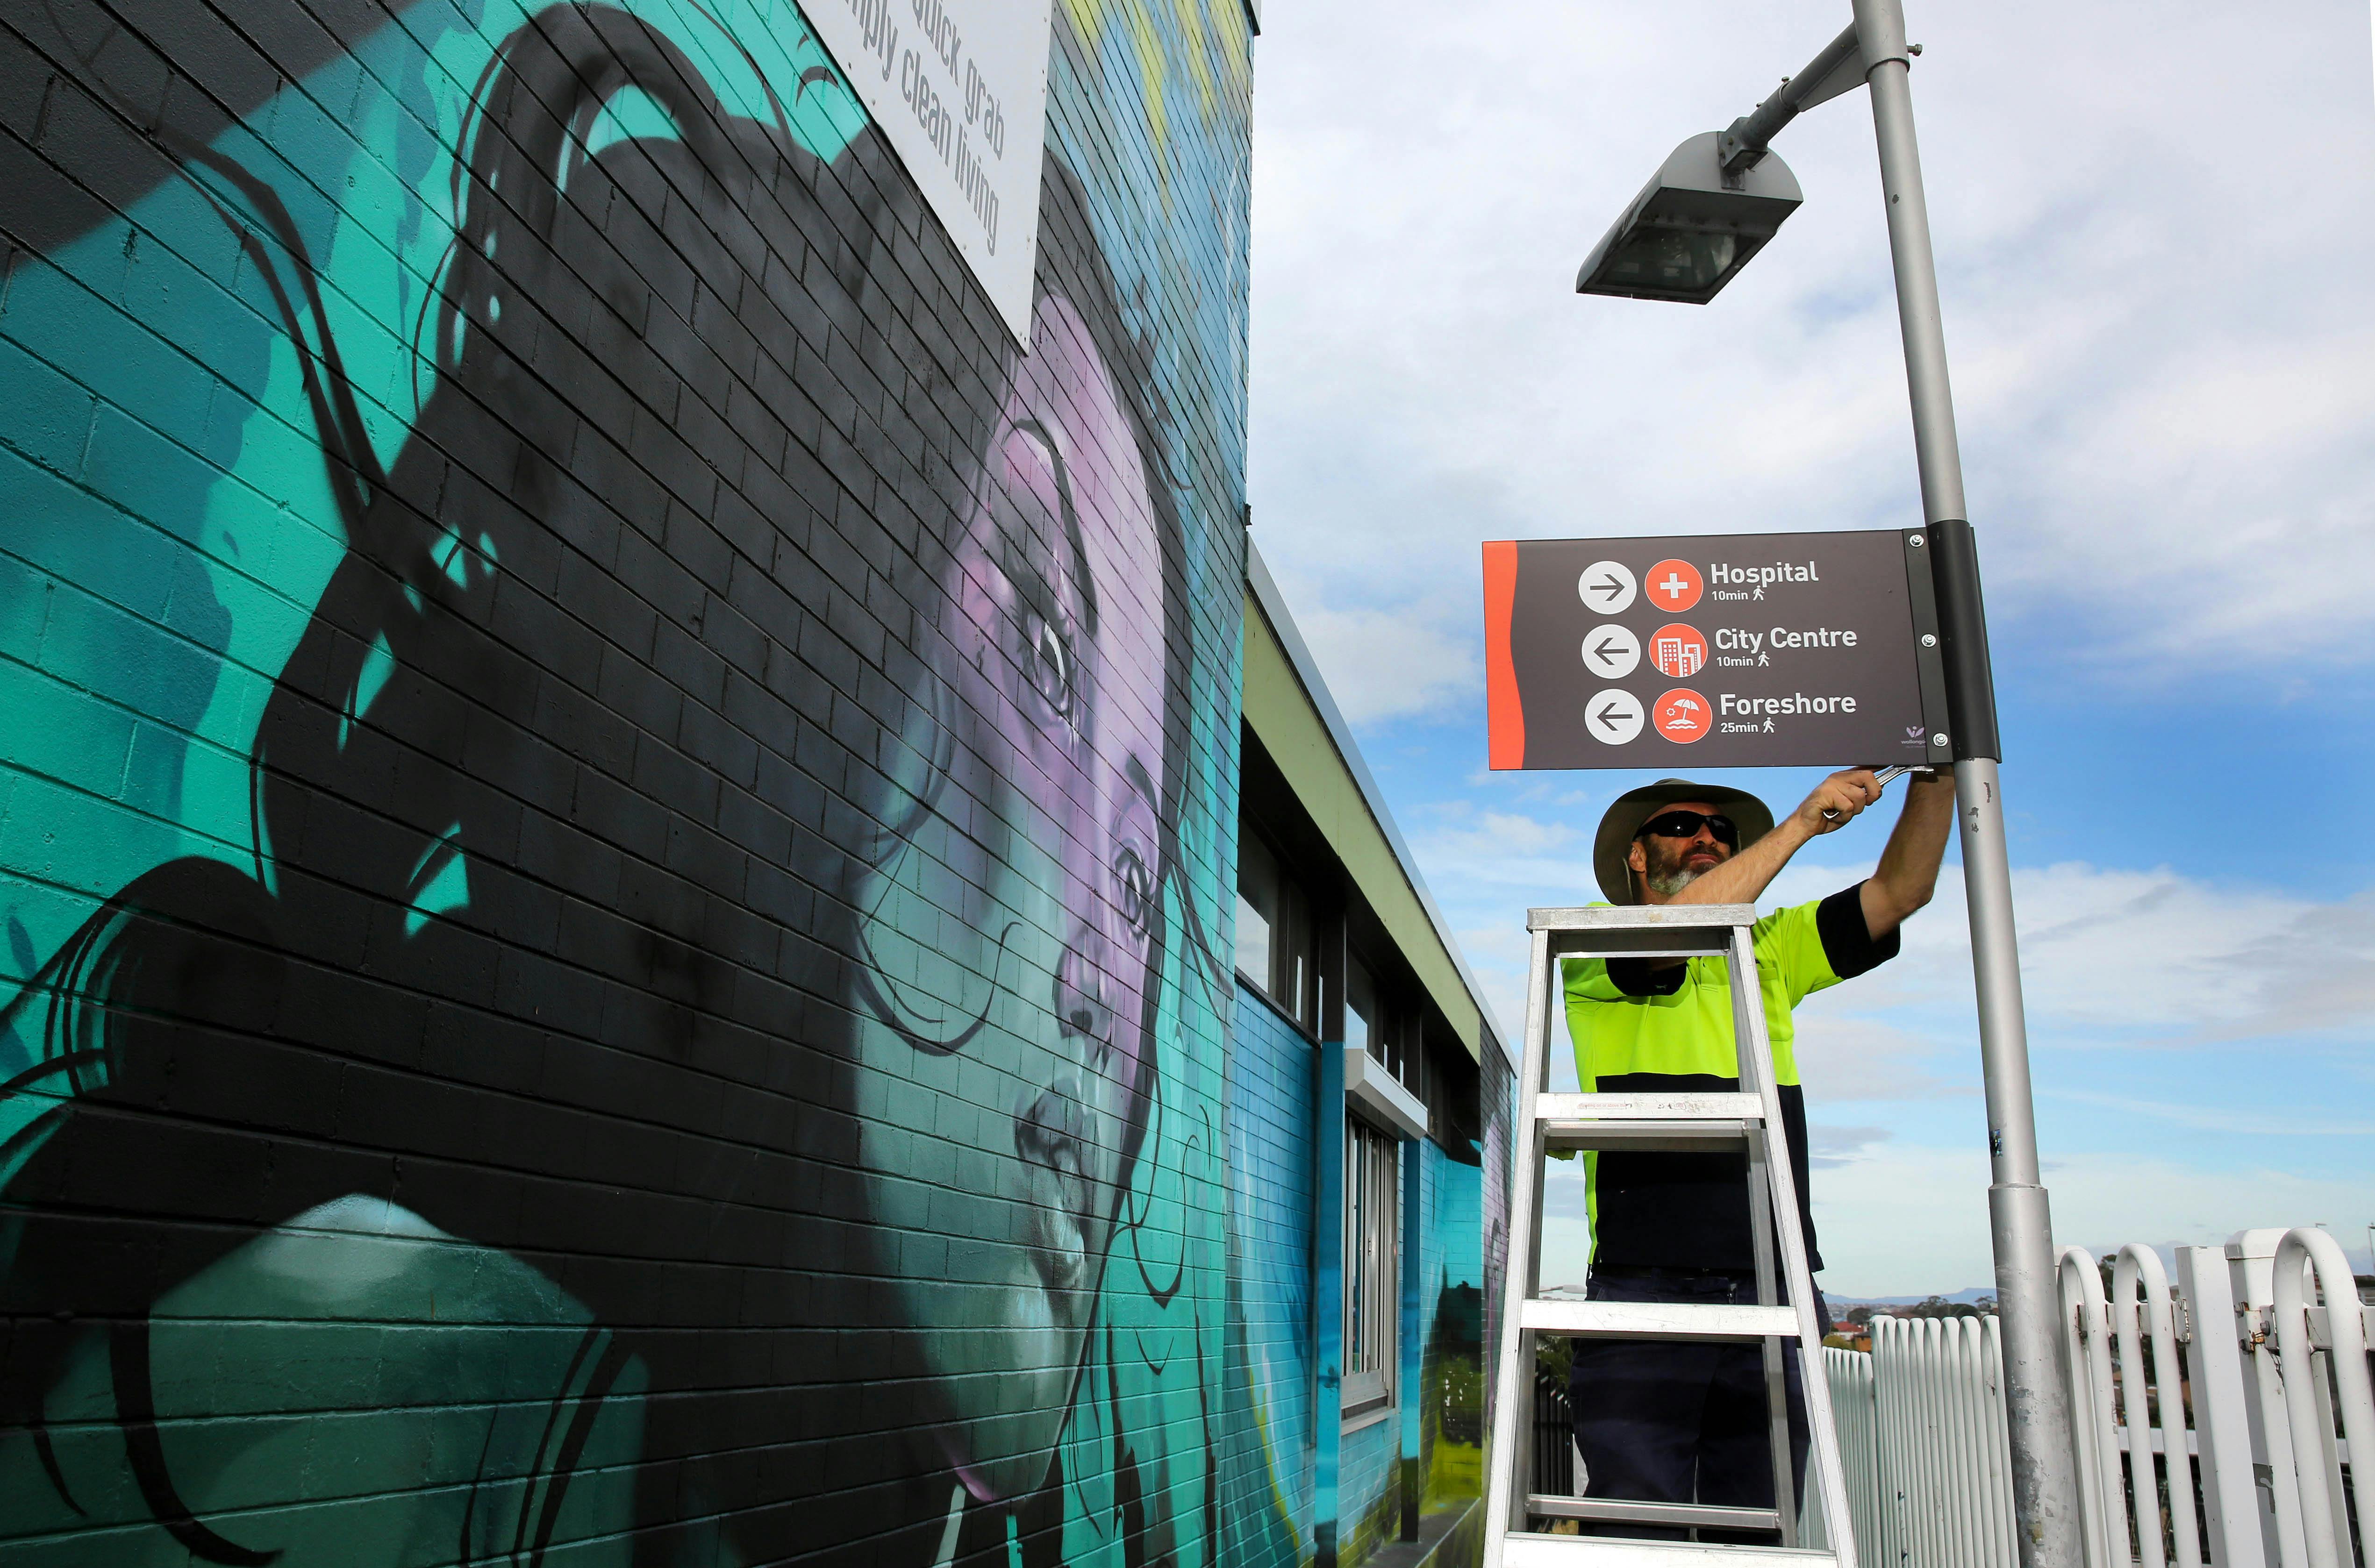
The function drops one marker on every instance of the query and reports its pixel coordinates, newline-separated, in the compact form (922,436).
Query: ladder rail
(1517,1282)
(1756,1051)
(1778,1449)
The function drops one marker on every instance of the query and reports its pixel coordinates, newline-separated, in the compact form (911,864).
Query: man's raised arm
(1744,877)
(1909,866)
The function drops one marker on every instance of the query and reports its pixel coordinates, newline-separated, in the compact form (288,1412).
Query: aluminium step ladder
(1751,1119)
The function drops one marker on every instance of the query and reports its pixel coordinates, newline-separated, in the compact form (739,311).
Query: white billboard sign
(959,88)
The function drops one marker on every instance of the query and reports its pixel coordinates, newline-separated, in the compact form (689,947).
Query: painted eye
(1134,885)
(1049,667)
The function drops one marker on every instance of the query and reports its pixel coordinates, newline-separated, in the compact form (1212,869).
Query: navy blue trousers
(1662,1423)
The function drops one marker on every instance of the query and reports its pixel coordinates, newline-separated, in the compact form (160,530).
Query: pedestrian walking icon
(1678,651)
(1606,587)
(1683,715)
(1673,586)
(1611,652)
(1612,717)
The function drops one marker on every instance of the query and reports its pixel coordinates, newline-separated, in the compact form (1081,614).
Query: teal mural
(614,809)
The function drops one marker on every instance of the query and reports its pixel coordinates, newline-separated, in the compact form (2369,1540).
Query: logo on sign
(1678,651)
(1683,715)
(1673,586)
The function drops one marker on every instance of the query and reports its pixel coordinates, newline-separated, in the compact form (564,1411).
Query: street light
(1691,228)
(1678,241)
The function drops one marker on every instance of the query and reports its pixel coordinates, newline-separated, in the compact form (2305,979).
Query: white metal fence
(1923,1439)
(2216,1417)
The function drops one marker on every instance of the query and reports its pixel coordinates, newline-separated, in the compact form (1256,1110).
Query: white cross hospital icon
(1674,584)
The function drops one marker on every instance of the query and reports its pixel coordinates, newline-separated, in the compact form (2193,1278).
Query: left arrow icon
(1611,652)
(1614,717)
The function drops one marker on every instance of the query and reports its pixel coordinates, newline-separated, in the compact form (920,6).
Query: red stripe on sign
(1504,715)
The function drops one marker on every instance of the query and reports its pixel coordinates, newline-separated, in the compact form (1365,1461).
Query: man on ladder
(1677,1422)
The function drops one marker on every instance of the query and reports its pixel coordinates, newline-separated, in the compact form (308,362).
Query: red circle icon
(1683,715)
(1672,586)
(1678,651)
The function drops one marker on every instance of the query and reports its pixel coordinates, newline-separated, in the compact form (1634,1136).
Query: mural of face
(1004,1065)
(829,1160)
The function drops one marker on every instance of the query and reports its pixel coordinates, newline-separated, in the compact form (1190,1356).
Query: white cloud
(1829,1147)
(1388,664)
(1851,1056)
(2223,1118)
(2108,957)
(2155,323)
(1904,1220)
(2115,957)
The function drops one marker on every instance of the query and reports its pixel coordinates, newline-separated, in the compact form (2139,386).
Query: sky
(2153,225)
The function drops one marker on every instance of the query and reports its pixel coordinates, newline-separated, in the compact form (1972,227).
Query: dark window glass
(1274,934)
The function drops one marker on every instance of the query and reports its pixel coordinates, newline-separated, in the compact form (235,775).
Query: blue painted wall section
(1329,1197)
(1282,1107)
(1272,1113)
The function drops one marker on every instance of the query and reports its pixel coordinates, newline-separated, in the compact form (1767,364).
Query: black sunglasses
(1686,824)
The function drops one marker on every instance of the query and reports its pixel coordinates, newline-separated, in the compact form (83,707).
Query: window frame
(1372,1268)
(1292,950)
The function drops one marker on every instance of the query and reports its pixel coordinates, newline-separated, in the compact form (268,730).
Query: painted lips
(1049,1135)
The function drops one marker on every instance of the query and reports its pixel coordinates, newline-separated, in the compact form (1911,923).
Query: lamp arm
(1836,70)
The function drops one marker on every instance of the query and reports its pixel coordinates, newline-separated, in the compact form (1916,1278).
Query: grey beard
(1666,884)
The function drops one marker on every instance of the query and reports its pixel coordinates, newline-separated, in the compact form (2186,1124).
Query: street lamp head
(1692,227)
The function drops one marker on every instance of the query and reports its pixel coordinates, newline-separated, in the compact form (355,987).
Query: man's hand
(1837,800)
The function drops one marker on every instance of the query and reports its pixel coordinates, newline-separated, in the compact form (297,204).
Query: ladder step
(1711,1107)
(1706,1515)
(1660,1320)
(1716,919)
(1602,1551)
(1655,1137)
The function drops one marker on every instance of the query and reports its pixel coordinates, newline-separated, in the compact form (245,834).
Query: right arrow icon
(1606,586)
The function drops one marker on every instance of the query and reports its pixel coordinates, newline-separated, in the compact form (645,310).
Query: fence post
(2084,1326)
(2251,1269)
(2242,1533)
(2139,1269)
(2324,1514)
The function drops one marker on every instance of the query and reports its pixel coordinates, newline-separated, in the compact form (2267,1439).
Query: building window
(1373,1240)
(1388,1033)
(1274,933)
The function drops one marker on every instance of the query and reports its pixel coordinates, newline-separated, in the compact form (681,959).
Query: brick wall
(1272,1112)
(614,813)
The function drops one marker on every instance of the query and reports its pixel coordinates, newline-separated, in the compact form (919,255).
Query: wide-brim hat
(1752,815)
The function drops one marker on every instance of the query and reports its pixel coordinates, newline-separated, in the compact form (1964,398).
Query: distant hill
(1970,1297)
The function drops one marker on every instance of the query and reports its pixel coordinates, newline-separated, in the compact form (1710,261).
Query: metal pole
(2044,1456)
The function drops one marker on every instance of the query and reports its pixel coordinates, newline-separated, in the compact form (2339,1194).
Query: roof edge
(1306,672)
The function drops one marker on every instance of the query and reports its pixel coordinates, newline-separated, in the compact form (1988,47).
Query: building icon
(1678,653)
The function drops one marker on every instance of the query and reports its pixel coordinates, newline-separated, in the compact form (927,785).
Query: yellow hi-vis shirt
(1640,1032)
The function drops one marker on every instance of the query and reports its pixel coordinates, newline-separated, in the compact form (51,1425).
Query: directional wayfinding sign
(1721,650)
